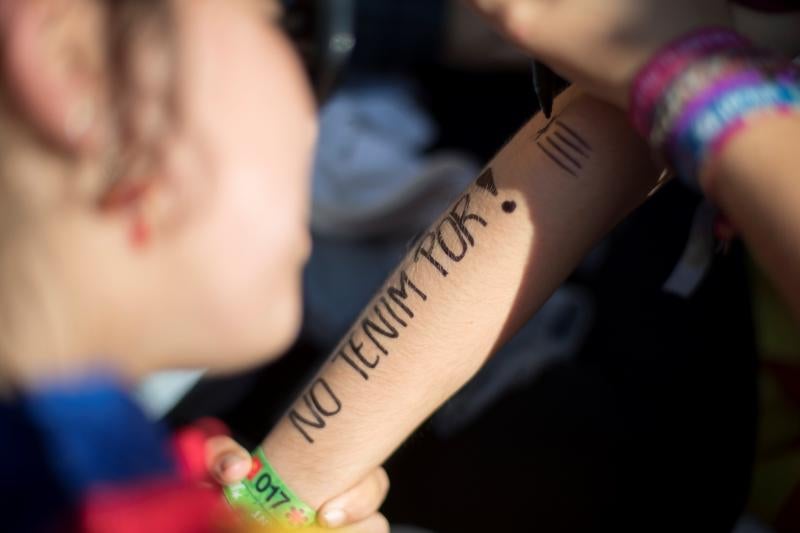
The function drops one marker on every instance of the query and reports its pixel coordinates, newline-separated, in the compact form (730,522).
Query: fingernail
(333,518)
(230,463)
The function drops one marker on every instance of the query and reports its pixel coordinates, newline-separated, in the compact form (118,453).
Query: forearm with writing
(484,267)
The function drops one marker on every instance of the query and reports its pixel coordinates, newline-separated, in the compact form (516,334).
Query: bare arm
(464,289)
(756,181)
(604,43)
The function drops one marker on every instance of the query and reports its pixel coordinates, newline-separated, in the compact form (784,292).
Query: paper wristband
(267,499)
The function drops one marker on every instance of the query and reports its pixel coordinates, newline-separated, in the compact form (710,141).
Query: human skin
(490,262)
(753,180)
(354,415)
(153,196)
(599,44)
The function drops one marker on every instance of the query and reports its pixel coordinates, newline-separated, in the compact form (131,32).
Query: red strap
(156,507)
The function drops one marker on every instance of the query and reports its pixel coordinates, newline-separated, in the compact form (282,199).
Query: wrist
(264,497)
(761,144)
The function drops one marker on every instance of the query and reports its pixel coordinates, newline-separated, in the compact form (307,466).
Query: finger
(520,20)
(227,461)
(358,503)
(487,5)
(489,8)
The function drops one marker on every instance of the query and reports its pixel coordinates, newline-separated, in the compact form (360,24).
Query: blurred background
(620,406)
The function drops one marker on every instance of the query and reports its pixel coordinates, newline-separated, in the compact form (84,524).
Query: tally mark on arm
(563,146)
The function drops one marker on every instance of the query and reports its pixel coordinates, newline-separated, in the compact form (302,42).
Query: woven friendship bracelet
(712,83)
(730,67)
(652,81)
(704,130)
(266,499)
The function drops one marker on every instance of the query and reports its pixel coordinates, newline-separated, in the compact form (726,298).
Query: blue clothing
(59,441)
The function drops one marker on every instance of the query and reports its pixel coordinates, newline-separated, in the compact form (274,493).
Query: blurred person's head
(154,160)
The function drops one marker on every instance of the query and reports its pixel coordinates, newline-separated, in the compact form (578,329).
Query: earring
(128,195)
(140,231)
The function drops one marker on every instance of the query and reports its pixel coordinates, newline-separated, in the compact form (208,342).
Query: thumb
(227,461)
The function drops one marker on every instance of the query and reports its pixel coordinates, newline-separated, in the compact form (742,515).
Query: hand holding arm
(356,508)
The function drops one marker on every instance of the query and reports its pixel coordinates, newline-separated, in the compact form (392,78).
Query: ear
(55,68)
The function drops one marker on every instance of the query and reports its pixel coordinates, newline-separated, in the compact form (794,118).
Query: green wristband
(241,499)
(267,499)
